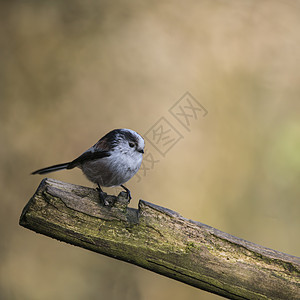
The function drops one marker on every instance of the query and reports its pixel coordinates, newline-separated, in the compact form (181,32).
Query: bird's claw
(102,196)
(127,192)
(108,200)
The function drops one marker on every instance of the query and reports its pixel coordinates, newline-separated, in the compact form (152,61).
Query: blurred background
(73,70)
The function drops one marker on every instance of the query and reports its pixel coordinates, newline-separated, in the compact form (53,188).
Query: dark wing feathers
(86,156)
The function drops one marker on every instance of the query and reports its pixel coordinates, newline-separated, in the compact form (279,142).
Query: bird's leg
(102,195)
(127,191)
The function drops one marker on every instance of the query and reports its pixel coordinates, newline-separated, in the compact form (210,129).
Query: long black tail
(53,168)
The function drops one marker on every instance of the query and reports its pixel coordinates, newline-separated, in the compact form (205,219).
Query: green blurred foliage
(73,70)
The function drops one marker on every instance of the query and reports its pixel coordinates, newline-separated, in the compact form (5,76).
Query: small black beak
(141,150)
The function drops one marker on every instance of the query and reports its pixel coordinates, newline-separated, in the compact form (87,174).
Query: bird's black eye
(131,144)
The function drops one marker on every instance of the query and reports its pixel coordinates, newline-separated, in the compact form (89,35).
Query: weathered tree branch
(162,241)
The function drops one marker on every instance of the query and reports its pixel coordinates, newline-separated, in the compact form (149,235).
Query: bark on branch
(162,241)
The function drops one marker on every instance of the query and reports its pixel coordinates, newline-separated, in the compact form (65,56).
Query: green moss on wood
(162,241)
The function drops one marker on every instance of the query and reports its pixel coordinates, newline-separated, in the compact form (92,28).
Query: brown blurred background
(73,70)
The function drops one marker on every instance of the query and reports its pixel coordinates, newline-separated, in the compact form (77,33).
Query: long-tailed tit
(112,161)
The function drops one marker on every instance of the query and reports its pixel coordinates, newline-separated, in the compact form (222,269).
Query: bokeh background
(73,70)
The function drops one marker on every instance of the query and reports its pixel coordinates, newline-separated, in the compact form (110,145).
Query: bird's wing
(87,156)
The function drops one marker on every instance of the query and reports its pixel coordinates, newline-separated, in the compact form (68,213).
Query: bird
(112,161)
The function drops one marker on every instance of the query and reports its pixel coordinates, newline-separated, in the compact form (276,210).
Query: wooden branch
(162,241)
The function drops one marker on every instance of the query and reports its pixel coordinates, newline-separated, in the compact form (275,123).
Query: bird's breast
(114,170)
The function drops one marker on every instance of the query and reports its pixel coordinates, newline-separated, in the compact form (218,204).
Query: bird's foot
(102,196)
(127,192)
(110,200)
